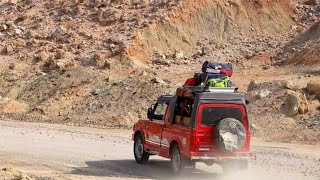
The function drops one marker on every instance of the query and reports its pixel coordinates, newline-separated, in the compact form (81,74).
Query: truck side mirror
(149,113)
(247,102)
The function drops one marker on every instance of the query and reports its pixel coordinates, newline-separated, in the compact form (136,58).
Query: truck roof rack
(222,89)
(199,89)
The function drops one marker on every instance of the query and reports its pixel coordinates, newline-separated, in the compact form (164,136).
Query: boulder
(253,84)
(295,103)
(313,87)
(289,85)
(263,94)
(158,80)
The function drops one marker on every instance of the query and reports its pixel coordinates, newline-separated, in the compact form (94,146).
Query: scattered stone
(65,63)
(289,85)
(11,77)
(252,85)
(255,127)
(263,94)
(178,55)
(4,100)
(96,92)
(288,123)
(312,97)
(162,62)
(108,17)
(17,31)
(13,2)
(4,27)
(107,64)
(59,32)
(313,87)
(311,2)
(158,80)
(41,56)
(19,42)
(60,54)
(11,66)
(265,67)
(143,73)
(9,49)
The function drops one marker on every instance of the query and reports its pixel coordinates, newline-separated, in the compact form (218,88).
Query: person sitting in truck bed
(183,111)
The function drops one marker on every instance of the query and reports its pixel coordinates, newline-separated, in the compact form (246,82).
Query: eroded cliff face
(203,21)
(303,50)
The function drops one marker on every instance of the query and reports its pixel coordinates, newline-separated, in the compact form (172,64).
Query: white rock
(263,94)
(158,80)
(178,55)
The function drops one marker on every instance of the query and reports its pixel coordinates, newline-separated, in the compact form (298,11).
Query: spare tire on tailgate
(230,134)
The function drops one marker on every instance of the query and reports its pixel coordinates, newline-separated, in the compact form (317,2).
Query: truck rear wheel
(140,155)
(177,162)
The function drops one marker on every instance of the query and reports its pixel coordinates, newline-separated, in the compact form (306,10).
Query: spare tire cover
(230,134)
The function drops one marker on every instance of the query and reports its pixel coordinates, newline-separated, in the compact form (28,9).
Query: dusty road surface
(63,152)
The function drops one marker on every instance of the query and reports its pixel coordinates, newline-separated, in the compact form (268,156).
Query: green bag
(219,82)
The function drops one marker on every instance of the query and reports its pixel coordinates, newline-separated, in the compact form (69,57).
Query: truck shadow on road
(155,169)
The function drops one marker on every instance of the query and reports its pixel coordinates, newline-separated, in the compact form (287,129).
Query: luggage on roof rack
(217,68)
(191,91)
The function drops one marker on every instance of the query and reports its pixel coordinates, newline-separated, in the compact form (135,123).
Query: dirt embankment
(66,62)
(200,22)
(303,50)
(103,63)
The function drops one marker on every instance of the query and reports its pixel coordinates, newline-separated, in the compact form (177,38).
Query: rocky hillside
(303,50)
(202,26)
(102,63)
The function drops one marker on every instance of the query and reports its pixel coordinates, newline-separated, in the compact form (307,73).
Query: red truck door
(153,136)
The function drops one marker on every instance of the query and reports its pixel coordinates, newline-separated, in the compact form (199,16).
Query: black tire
(177,162)
(234,128)
(235,165)
(140,155)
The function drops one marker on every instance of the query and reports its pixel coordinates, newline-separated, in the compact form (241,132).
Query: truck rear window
(212,115)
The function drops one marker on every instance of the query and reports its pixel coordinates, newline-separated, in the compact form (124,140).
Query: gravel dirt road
(62,152)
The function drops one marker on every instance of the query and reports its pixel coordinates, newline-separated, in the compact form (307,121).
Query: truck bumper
(221,157)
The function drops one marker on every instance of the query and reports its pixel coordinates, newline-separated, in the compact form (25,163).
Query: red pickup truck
(212,128)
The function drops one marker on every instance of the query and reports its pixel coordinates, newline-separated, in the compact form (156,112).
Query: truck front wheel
(140,155)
